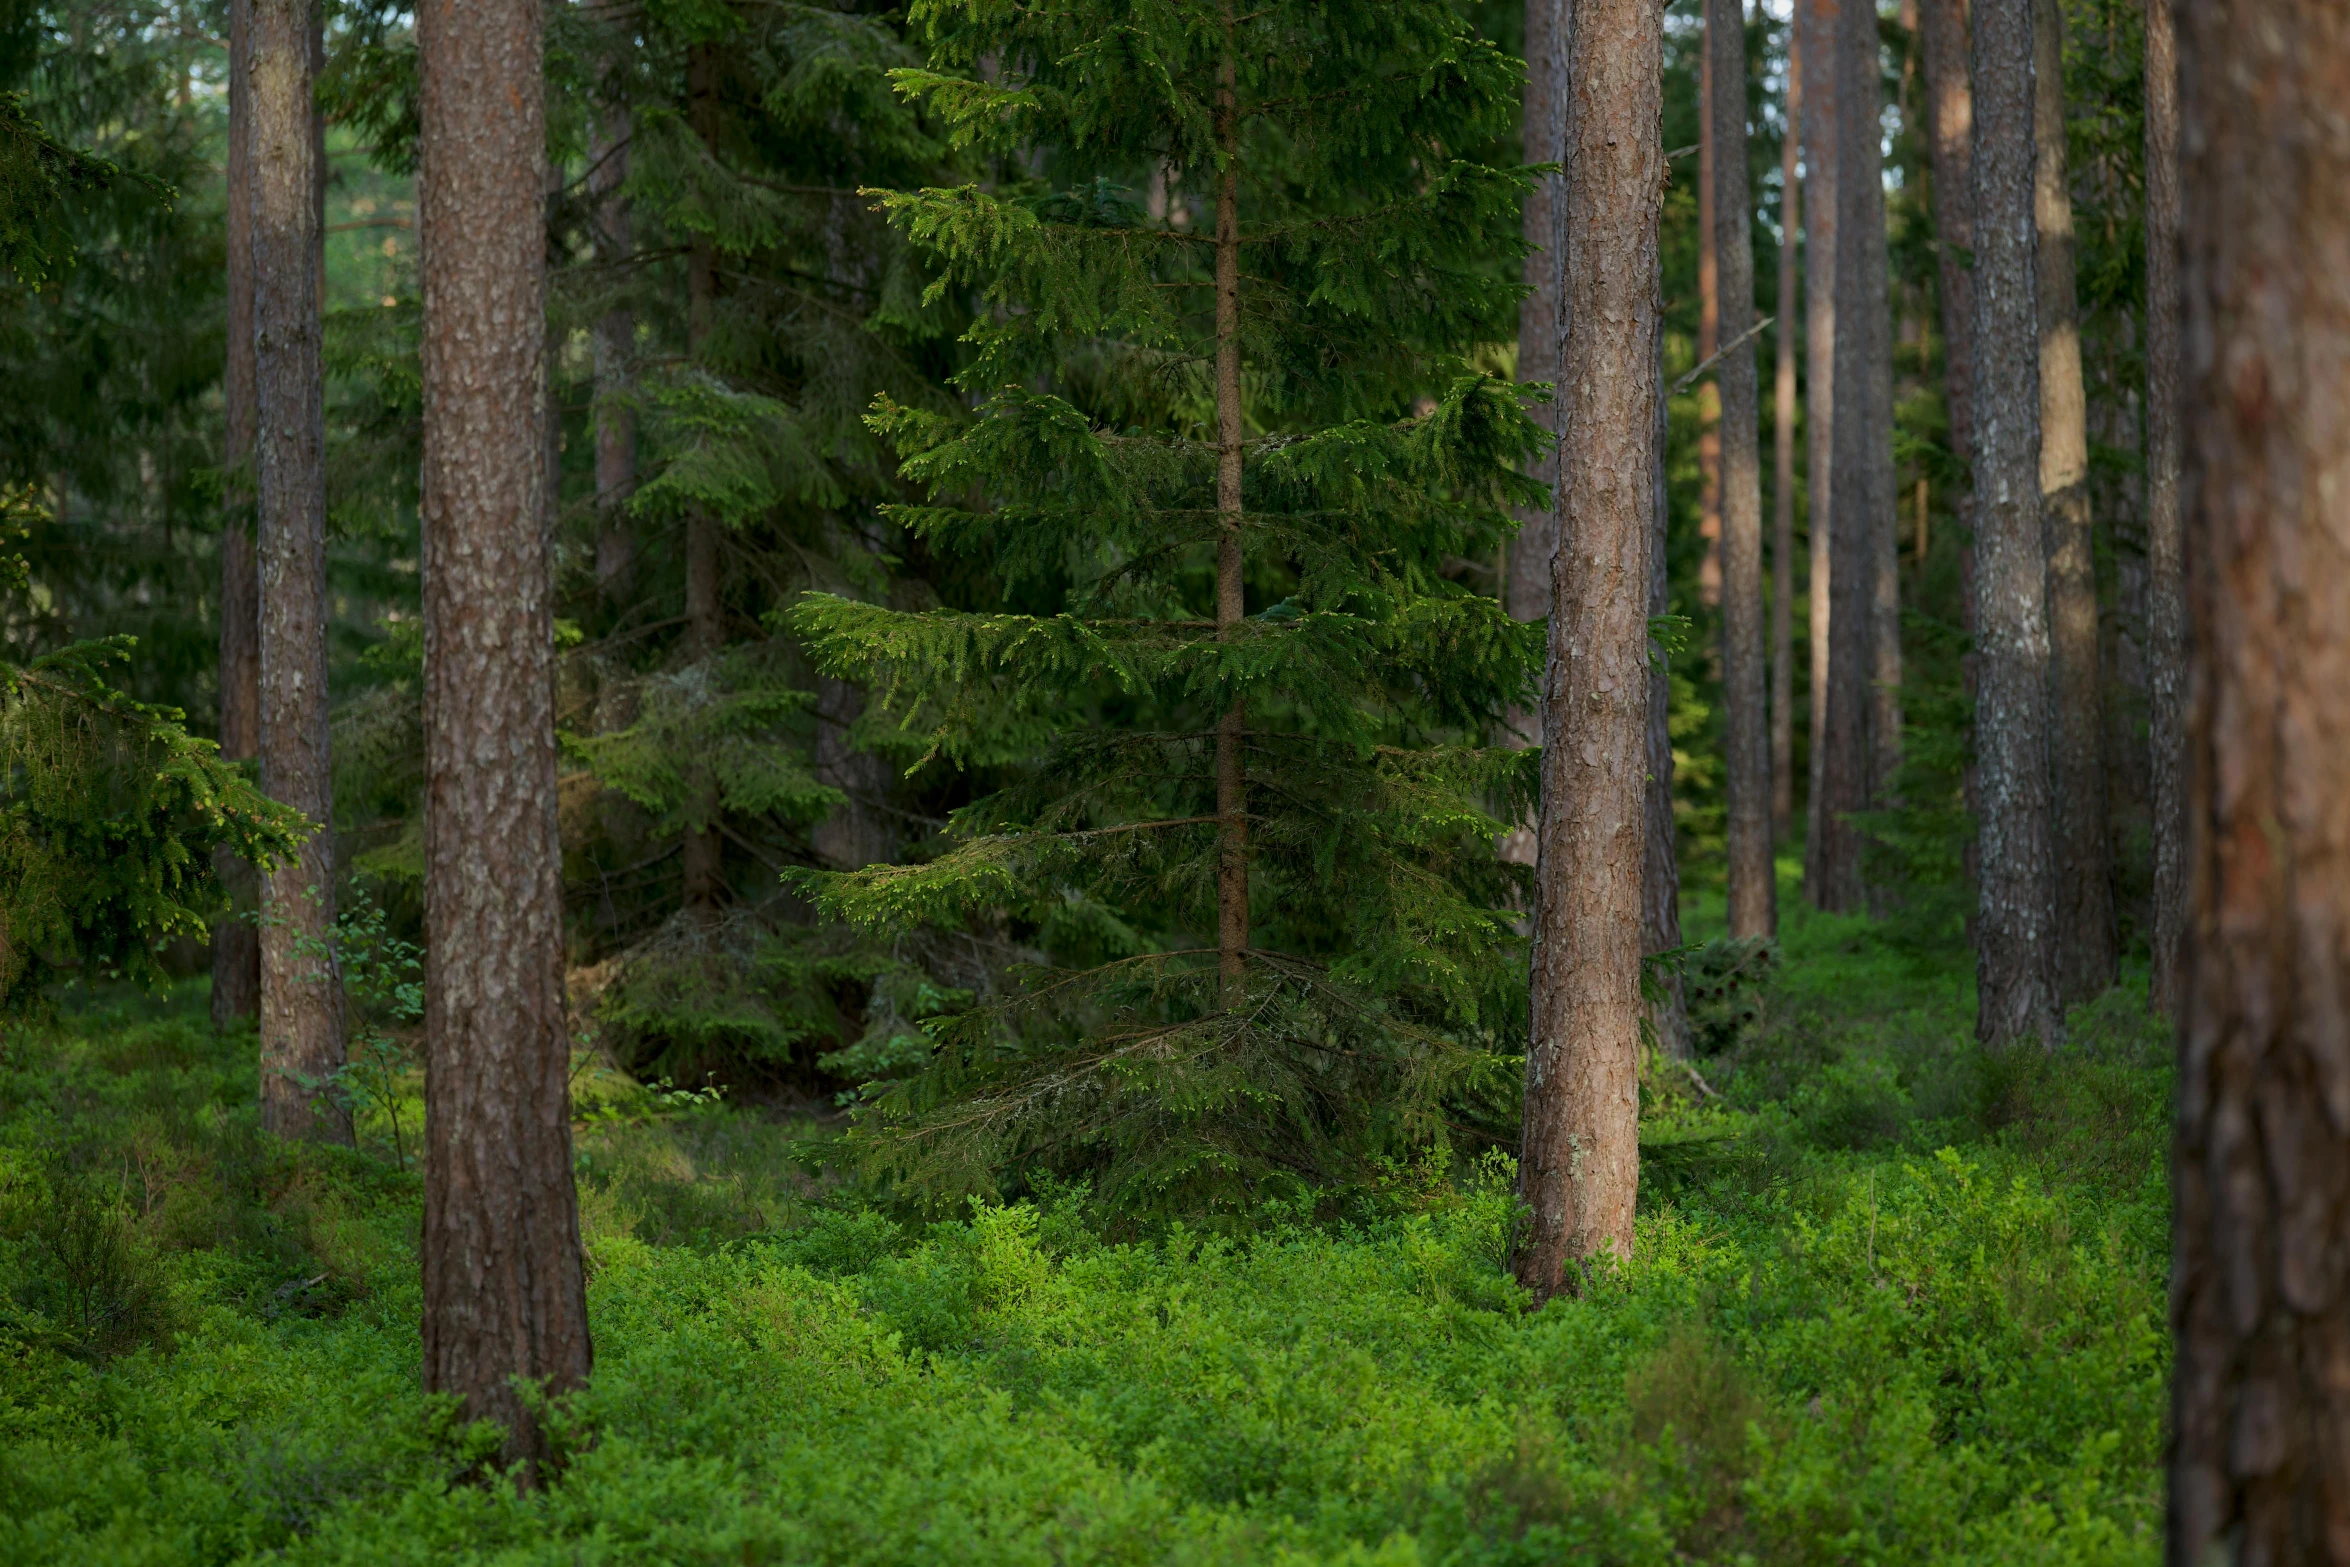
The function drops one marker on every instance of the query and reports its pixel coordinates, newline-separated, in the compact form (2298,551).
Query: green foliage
(1383,961)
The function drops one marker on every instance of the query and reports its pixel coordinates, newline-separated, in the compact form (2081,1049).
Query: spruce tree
(1231,452)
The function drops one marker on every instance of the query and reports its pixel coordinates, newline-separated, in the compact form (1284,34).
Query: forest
(1472,782)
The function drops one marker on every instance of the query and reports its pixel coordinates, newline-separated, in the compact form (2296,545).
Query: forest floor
(1893,1302)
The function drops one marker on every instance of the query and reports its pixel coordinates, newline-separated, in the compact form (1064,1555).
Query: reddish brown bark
(2166,614)
(504,1286)
(1580,1166)
(236,941)
(2260,1306)
(1783,461)
(1815,22)
(1232,910)
(301,991)
(2014,995)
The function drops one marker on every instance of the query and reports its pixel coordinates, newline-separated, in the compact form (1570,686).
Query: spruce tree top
(1242,483)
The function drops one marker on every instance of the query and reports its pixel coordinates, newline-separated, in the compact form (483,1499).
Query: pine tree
(1221,463)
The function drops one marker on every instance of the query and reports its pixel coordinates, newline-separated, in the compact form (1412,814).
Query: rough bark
(1660,857)
(2085,938)
(1709,324)
(1580,1167)
(703,849)
(615,346)
(2166,613)
(1863,230)
(1753,898)
(1815,21)
(301,990)
(236,940)
(2260,1306)
(2014,996)
(1232,729)
(1783,462)
(504,1286)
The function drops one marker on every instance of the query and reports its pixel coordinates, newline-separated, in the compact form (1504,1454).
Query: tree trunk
(1526,593)
(1815,22)
(1580,1168)
(856,834)
(2084,933)
(236,940)
(1660,856)
(703,851)
(1232,729)
(1783,464)
(1880,545)
(615,348)
(504,1286)
(2260,1299)
(1753,896)
(301,991)
(2166,614)
(1709,325)
(2012,949)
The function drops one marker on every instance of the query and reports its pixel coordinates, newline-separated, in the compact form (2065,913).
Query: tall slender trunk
(2166,617)
(1526,593)
(1660,857)
(1815,22)
(1753,896)
(505,1297)
(236,941)
(2260,1294)
(1580,1164)
(2014,998)
(1783,463)
(1232,728)
(703,848)
(1709,327)
(301,990)
(2084,933)
(615,347)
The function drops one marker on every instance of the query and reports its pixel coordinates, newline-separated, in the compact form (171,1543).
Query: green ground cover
(1892,1304)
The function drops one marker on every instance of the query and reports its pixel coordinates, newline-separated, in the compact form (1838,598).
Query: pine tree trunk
(1863,229)
(2166,617)
(1660,856)
(1526,592)
(504,1285)
(615,348)
(1709,329)
(703,850)
(1753,897)
(2084,931)
(1580,1168)
(301,991)
(2260,1298)
(2013,961)
(1232,730)
(1815,21)
(236,940)
(1783,463)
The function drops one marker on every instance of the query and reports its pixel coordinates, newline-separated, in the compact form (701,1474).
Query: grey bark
(1783,461)
(301,991)
(1753,898)
(2166,615)
(2085,938)
(504,1282)
(236,940)
(2260,1298)
(2013,968)
(1815,21)
(1580,1164)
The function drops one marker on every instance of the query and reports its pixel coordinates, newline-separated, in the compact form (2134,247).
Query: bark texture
(1783,461)
(1815,22)
(2166,611)
(504,1287)
(1753,898)
(2013,968)
(2260,1308)
(2085,938)
(236,940)
(615,349)
(1580,1168)
(301,992)
(1660,857)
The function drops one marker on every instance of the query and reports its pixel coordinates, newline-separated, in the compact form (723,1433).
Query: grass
(1893,1302)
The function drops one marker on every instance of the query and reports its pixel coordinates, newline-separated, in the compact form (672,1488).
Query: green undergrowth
(1892,1303)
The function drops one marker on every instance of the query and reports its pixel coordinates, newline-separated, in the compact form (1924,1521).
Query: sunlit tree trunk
(1815,22)
(2260,1294)
(301,992)
(1709,322)
(504,1284)
(1580,1166)
(236,941)
(2166,619)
